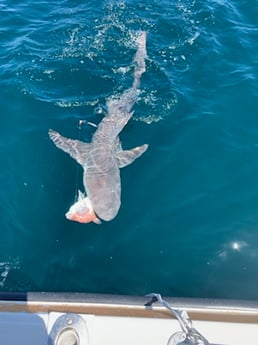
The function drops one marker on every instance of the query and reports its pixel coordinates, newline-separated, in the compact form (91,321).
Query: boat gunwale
(239,311)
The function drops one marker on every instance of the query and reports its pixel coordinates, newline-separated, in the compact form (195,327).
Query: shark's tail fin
(139,59)
(125,102)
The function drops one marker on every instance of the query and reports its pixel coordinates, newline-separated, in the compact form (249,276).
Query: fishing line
(80,125)
(72,80)
(76,192)
(99,110)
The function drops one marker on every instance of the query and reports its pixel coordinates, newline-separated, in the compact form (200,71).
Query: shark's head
(82,212)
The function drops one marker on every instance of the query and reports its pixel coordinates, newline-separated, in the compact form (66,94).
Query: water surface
(188,224)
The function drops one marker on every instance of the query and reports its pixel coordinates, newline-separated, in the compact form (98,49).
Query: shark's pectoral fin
(78,150)
(126,157)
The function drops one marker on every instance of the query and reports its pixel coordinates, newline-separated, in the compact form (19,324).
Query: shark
(103,157)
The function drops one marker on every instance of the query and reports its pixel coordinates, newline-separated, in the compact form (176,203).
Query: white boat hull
(43,319)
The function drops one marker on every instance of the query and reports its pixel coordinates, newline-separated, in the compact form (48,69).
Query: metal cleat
(188,335)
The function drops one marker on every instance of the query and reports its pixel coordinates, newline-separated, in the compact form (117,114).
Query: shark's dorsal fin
(126,157)
(78,150)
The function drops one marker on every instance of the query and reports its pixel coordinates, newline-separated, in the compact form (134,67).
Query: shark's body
(103,157)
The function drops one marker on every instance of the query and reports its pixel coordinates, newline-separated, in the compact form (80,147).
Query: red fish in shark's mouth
(82,211)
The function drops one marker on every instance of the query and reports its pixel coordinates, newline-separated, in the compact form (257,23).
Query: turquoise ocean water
(188,224)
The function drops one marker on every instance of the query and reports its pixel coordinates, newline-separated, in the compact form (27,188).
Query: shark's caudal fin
(78,150)
(126,157)
(139,59)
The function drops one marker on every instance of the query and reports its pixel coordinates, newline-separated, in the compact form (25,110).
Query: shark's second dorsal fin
(126,157)
(78,150)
